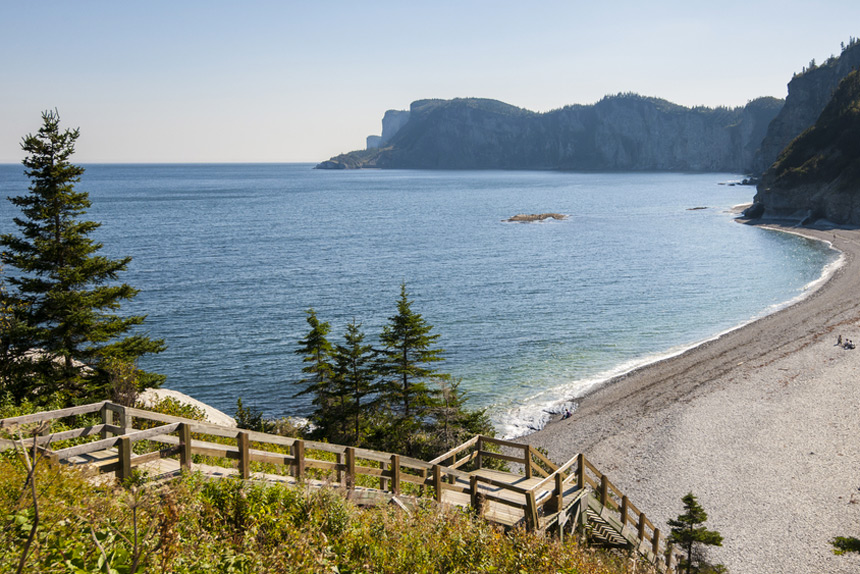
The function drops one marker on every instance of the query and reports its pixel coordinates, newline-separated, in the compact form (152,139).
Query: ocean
(531,315)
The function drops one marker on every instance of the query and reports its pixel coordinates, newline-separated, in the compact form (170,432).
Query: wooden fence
(545,496)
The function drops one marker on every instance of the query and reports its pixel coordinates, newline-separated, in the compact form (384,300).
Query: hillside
(818,175)
(808,94)
(626,132)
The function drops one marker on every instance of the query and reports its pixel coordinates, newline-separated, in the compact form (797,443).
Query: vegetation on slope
(829,151)
(198,525)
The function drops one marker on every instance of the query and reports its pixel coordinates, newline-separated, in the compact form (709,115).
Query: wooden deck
(543,497)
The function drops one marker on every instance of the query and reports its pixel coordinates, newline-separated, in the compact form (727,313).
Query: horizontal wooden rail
(52,415)
(113,441)
(456,450)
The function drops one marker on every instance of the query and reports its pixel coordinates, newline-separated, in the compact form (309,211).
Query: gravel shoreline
(761,424)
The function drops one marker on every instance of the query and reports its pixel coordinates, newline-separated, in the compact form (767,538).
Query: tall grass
(193,524)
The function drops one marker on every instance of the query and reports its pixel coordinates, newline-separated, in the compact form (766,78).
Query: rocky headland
(626,132)
(818,175)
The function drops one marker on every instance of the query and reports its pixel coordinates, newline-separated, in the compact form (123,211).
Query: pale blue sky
(212,81)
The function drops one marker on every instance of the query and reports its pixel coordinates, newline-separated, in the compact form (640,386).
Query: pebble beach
(761,424)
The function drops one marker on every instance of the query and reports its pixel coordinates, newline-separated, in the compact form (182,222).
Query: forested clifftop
(818,174)
(808,94)
(625,132)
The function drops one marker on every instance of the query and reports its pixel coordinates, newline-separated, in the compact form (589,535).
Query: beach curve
(760,423)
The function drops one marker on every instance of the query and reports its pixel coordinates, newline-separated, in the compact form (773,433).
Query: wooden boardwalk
(542,497)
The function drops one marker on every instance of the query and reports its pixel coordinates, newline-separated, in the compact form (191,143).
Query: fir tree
(354,375)
(691,536)
(66,291)
(316,352)
(405,369)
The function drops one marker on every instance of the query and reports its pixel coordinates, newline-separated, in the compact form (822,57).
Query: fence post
(350,468)
(656,542)
(670,558)
(244,443)
(580,478)
(624,509)
(383,482)
(124,420)
(124,448)
(339,473)
(527,452)
(107,419)
(531,511)
(479,460)
(604,489)
(559,492)
(437,481)
(473,492)
(298,452)
(395,474)
(185,446)
(641,526)
(423,488)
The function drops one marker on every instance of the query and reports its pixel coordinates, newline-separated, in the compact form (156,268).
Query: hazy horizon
(274,82)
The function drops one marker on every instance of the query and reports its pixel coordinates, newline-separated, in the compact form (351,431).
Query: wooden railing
(543,504)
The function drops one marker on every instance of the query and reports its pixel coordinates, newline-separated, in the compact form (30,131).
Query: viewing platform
(120,442)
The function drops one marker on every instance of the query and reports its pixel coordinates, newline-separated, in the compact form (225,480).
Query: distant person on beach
(839,340)
(566,414)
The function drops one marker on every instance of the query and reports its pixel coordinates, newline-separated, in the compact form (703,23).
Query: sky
(283,81)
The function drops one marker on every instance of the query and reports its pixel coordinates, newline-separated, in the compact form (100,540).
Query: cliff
(808,94)
(818,175)
(624,132)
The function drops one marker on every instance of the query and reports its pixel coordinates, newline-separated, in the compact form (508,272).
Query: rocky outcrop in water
(818,175)
(534,217)
(808,94)
(626,132)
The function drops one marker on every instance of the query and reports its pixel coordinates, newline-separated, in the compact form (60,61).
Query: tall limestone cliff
(808,94)
(818,175)
(623,132)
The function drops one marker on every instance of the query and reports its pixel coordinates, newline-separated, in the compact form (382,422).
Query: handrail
(456,450)
(560,470)
(391,471)
(51,415)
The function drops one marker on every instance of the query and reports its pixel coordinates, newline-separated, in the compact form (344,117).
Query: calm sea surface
(228,258)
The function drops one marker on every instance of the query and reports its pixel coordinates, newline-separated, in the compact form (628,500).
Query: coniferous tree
(452,423)
(690,534)
(68,293)
(354,375)
(316,352)
(405,369)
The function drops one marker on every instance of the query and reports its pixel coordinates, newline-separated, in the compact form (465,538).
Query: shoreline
(655,359)
(594,384)
(705,420)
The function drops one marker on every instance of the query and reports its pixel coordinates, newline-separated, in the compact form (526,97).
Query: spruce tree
(405,368)
(354,375)
(67,293)
(691,536)
(316,352)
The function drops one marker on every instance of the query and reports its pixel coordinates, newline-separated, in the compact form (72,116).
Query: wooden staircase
(539,496)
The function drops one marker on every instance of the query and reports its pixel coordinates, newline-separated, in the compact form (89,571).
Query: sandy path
(762,424)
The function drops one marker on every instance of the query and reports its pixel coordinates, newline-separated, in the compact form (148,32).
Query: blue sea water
(228,258)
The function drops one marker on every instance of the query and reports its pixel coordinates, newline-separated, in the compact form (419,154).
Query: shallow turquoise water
(228,257)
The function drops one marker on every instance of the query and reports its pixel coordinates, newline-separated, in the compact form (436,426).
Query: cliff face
(818,175)
(808,94)
(625,132)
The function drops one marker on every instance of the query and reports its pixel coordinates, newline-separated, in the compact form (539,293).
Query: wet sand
(762,424)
